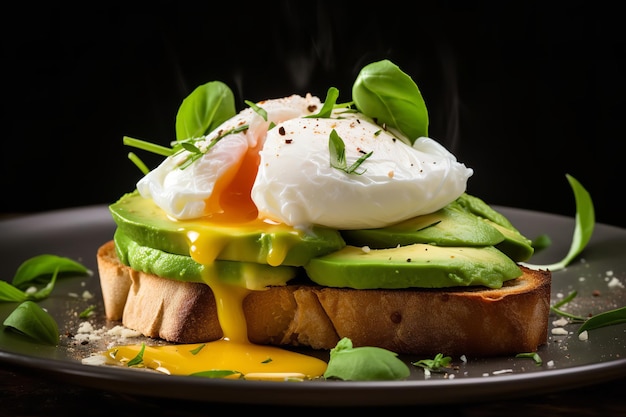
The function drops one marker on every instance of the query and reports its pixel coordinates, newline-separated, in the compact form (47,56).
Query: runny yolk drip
(233,352)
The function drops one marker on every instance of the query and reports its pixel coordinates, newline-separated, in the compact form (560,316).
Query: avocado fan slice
(413,266)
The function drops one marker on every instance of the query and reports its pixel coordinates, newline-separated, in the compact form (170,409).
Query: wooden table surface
(24,394)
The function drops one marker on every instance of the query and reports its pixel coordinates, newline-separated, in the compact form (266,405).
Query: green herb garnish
(436,364)
(532,355)
(364,363)
(556,308)
(329,104)
(198,349)
(217,373)
(606,318)
(337,149)
(138,359)
(88,312)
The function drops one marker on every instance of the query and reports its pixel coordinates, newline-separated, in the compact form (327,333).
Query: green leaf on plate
(43,266)
(364,363)
(32,321)
(585,223)
(606,318)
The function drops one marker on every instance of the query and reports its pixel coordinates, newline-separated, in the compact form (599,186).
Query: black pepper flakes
(311,108)
(288,141)
(281,131)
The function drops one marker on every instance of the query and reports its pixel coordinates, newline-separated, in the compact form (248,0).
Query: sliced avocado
(515,245)
(418,265)
(478,207)
(253,276)
(449,226)
(275,244)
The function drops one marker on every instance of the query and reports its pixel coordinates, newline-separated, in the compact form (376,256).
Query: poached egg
(284,174)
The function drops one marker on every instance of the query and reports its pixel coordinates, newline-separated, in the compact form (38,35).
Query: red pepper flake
(288,141)
(281,131)
(596,293)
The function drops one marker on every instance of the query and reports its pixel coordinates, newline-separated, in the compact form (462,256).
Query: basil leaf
(9,293)
(34,322)
(207,107)
(585,223)
(364,363)
(41,266)
(385,93)
(606,318)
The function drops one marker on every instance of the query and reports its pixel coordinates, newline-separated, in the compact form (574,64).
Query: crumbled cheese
(366,249)
(31,290)
(87,295)
(560,322)
(463,359)
(426,373)
(583,335)
(502,371)
(559,331)
(550,364)
(615,283)
(123,332)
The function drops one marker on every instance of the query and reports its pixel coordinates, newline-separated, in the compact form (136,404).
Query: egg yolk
(232,356)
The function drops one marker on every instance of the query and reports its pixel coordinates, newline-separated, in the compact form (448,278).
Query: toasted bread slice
(471,321)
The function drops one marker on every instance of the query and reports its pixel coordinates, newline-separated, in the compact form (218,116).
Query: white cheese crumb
(72,294)
(87,295)
(123,332)
(609,273)
(550,364)
(615,283)
(31,290)
(583,335)
(559,331)
(96,360)
(366,249)
(426,373)
(502,371)
(463,359)
(560,322)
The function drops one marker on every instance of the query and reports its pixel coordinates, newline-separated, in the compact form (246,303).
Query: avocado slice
(275,244)
(251,275)
(418,265)
(449,226)
(478,207)
(515,245)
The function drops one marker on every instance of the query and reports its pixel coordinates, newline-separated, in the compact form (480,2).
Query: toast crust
(477,321)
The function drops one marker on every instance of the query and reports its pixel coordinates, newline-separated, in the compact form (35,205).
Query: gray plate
(567,361)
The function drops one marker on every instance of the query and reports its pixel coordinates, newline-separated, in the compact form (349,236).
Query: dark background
(522,94)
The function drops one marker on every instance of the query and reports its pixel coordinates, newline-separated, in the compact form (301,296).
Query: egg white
(297,185)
